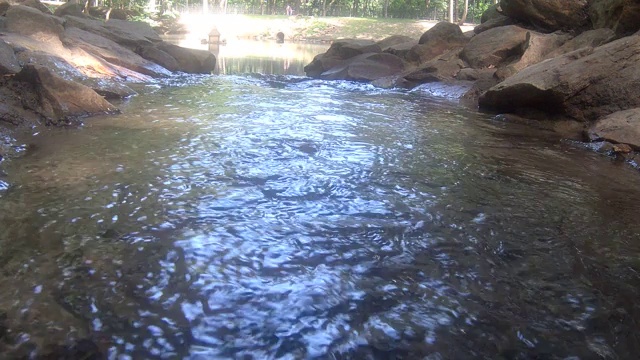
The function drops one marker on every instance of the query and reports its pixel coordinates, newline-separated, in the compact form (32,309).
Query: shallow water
(277,217)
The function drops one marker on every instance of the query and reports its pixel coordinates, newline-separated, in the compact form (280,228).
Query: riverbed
(267,215)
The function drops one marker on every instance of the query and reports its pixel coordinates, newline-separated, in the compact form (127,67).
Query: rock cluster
(56,68)
(547,60)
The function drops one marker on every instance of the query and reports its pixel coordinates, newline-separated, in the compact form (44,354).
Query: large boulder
(623,16)
(190,60)
(402,50)
(129,34)
(492,12)
(28,21)
(497,21)
(441,38)
(585,84)
(8,62)
(152,53)
(112,52)
(339,51)
(109,86)
(4,6)
(622,127)
(394,40)
(61,101)
(442,68)
(36,4)
(534,50)
(494,47)
(548,14)
(366,67)
(590,38)
(72,7)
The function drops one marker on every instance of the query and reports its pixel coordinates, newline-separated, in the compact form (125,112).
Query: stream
(267,215)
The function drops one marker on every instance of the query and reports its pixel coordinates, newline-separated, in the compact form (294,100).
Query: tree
(451,7)
(465,11)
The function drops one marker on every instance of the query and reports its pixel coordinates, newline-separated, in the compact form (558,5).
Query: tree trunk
(386,8)
(451,6)
(465,11)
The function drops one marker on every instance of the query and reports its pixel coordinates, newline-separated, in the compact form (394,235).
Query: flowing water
(278,217)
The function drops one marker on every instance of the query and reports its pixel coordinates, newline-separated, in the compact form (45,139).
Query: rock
(152,53)
(28,21)
(36,4)
(623,16)
(280,37)
(495,47)
(8,62)
(366,67)
(436,41)
(441,31)
(116,14)
(585,84)
(497,21)
(128,34)
(468,74)
(339,51)
(534,50)
(567,129)
(61,101)
(621,127)
(394,40)
(401,50)
(4,6)
(190,60)
(492,12)
(590,38)
(548,15)
(443,68)
(70,8)
(112,52)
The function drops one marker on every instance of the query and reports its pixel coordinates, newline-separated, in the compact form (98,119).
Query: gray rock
(366,67)
(190,60)
(8,62)
(622,127)
(28,21)
(585,85)
(590,38)
(548,15)
(622,16)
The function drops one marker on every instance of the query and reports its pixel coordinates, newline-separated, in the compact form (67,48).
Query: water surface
(278,217)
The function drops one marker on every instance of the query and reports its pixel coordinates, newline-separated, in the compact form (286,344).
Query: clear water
(278,217)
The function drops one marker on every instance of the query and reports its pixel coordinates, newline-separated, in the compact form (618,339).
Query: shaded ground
(304,28)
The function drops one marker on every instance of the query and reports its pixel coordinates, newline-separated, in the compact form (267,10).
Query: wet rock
(590,38)
(441,38)
(623,16)
(495,46)
(565,128)
(534,49)
(112,52)
(107,87)
(548,15)
(339,51)
(28,21)
(152,53)
(8,62)
(366,67)
(61,101)
(72,7)
(190,60)
(584,85)
(621,127)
